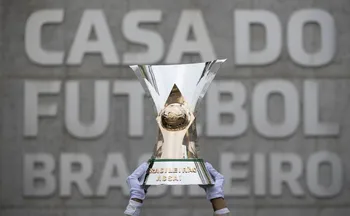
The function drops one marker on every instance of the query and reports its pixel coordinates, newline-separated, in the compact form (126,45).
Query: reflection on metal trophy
(176,91)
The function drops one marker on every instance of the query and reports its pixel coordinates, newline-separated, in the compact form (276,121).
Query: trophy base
(177,172)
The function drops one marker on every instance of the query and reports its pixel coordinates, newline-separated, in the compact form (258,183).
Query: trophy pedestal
(177,172)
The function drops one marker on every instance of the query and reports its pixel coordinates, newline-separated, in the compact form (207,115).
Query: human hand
(216,190)
(135,182)
(137,190)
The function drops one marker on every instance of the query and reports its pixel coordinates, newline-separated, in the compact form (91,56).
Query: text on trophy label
(168,178)
(173,170)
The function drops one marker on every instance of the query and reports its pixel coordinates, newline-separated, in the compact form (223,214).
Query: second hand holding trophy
(176,91)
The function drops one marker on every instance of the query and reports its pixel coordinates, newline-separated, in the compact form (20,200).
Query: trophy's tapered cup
(176,92)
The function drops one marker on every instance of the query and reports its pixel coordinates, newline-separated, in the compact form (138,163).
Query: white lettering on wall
(75,169)
(244,175)
(33,37)
(108,179)
(135,93)
(312,124)
(295,37)
(32,106)
(260,96)
(135,34)
(234,107)
(226,112)
(101,106)
(226,166)
(103,44)
(32,173)
(290,177)
(260,174)
(273,44)
(191,19)
(313,174)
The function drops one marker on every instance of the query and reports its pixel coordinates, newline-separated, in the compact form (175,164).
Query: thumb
(212,171)
(140,171)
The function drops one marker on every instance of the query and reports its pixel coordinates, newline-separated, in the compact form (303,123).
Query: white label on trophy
(175,173)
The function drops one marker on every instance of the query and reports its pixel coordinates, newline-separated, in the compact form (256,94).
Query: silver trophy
(176,92)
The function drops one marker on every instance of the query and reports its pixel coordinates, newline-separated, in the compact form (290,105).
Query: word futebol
(301,108)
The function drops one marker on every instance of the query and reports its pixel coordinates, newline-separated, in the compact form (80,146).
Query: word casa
(189,20)
(173,170)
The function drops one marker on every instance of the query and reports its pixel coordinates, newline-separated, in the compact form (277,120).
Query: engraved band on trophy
(176,92)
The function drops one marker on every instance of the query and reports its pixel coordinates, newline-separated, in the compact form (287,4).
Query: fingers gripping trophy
(176,92)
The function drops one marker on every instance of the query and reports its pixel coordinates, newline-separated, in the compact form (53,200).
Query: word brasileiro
(262,175)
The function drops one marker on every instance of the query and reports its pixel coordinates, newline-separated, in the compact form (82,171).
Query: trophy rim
(149,75)
(170,64)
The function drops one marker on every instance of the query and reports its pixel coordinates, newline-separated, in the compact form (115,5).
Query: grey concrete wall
(53,138)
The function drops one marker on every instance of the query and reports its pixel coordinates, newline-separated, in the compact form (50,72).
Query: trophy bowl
(175,117)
